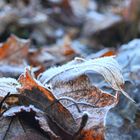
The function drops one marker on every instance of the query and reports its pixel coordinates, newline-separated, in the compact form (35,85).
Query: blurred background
(94,23)
(45,33)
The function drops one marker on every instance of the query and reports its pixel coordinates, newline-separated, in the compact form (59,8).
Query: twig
(70,99)
(65,98)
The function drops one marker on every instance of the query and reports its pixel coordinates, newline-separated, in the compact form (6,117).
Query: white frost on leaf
(8,85)
(17,109)
(108,67)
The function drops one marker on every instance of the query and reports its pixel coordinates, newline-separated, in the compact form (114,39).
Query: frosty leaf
(106,66)
(17,109)
(87,95)
(33,92)
(90,99)
(8,85)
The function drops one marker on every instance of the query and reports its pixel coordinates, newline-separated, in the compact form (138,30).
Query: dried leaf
(33,92)
(89,99)
(12,49)
(106,66)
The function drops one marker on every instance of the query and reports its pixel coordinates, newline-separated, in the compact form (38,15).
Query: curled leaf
(90,100)
(33,92)
(108,67)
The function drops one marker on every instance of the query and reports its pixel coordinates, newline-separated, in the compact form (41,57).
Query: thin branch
(65,98)
(70,99)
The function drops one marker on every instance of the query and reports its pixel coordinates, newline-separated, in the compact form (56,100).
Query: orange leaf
(14,50)
(33,92)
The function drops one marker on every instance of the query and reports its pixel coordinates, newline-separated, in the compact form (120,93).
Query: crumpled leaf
(106,66)
(33,92)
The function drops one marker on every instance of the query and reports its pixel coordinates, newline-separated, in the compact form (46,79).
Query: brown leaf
(13,55)
(88,98)
(33,92)
(12,49)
